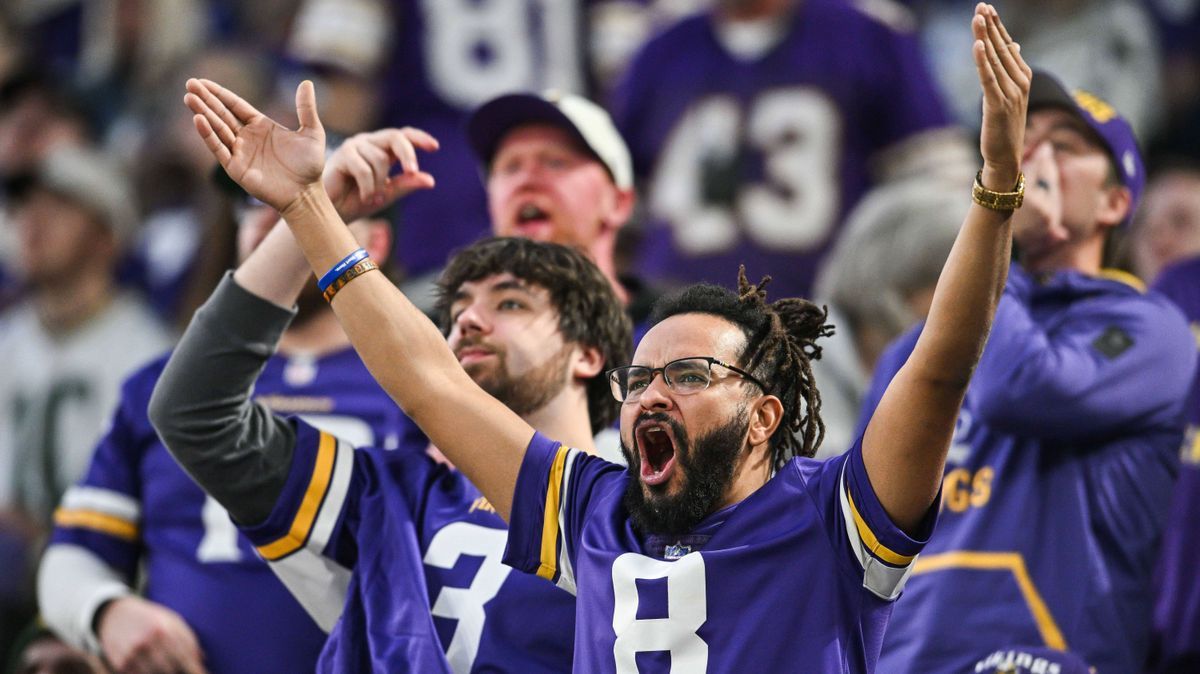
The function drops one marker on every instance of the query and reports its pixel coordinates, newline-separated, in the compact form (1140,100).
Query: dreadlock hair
(589,312)
(780,347)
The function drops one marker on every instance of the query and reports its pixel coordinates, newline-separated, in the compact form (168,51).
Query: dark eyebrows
(507,284)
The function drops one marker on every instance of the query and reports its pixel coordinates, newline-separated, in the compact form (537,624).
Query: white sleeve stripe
(106,501)
(882,580)
(566,574)
(335,499)
(318,583)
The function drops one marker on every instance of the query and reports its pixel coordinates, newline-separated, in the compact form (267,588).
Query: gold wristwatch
(998,201)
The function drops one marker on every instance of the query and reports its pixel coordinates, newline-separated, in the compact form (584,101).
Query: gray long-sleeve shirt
(234,448)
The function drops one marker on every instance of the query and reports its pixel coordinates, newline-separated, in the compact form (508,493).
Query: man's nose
(657,395)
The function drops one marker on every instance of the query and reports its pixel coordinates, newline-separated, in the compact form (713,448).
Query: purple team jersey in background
(136,505)
(449,57)
(1177,583)
(418,536)
(758,160)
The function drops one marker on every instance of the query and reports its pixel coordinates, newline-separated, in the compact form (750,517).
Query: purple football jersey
(1177,585)
(1057,481)
(757,159)
(449,57)
(800,574)
(419,537)
(135,504)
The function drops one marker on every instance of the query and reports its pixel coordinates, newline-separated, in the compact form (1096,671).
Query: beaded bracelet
(348,276)
(340,268)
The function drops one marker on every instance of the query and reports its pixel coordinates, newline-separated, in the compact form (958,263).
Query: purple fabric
(758,161)
(1057,483)
(759,582)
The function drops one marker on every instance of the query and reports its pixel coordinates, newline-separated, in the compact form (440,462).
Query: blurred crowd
(836,157)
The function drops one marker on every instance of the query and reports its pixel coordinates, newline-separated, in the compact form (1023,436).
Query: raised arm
(403,350)
(905,443)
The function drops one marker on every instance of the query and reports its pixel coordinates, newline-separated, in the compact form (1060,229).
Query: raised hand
(1005,79)
(272,163)
(357,175)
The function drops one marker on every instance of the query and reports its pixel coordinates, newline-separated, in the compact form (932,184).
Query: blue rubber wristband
(340,268)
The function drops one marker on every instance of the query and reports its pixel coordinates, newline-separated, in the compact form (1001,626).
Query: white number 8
(687,610)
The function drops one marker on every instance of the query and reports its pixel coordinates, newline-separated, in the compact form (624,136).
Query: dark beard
(707,467)
(531,391)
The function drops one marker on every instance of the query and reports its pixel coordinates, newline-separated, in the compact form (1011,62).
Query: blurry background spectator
(1167,226)
(755,127)
(428,63)
(877,282)
(68,343)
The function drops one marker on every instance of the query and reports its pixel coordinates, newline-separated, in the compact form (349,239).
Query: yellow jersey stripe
(871,542)
(549,555)
(1013,562)
(1125,277)
(307,513)
(104,523)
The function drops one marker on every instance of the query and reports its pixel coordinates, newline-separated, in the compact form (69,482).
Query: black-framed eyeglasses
(683,376)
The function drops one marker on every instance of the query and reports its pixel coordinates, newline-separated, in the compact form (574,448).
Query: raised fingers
(380,163)
(359,169)
(238,106)
(210,138)
(222,120)
(983,63)
(1007,51)
(421,139)
(215,125)
(306,109)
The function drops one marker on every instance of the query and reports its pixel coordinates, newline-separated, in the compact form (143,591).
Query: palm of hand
(275,164)
(1000,137)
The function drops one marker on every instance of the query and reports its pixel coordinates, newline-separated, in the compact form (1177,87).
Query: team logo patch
(1113,342)
(675,551)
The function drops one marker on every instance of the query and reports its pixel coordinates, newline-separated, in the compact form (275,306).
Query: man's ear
(1115,205)
(588,362)
(625,201)
(378,235)
(765,416)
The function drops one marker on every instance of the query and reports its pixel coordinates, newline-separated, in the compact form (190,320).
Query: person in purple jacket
(756,126)
(722,546)
(1176,641)
(1057,484)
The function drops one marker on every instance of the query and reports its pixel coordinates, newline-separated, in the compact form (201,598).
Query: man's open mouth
(656,449)
(531,213)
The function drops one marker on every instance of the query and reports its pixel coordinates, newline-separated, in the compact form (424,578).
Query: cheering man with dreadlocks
(717,547)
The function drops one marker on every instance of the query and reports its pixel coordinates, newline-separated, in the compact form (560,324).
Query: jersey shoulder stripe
(555,564)
(102,510)
(321,504)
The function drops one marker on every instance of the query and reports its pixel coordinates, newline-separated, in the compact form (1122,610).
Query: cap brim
(492,121)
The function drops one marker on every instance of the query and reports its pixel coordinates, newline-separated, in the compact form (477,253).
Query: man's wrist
(998,178)
(312,202)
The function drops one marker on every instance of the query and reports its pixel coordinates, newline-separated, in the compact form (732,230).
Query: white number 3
(465,604)
(687,610)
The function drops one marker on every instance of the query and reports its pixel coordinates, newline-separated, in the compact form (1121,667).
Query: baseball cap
(1113,129)
(89,179)
(587,122)
(1034,660)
